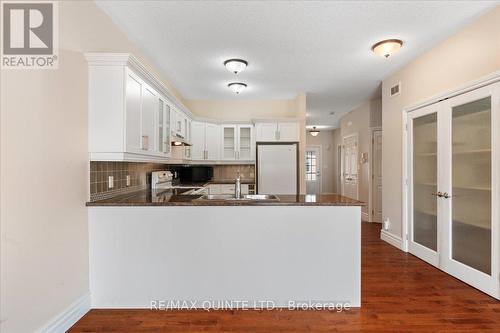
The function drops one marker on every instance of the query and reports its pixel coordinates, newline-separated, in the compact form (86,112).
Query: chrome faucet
(237,187)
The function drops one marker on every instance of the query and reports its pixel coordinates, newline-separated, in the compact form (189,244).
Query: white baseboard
(394,240)
(68,317)
(365,217)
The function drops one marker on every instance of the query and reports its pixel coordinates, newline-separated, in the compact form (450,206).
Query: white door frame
(356,135)
(487,284)
(320,165)
(370,176)
(468,86)
(338,181)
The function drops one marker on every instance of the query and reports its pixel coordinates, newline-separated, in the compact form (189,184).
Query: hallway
(400,293)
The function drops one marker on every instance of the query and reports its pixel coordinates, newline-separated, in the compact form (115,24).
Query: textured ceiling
(319,47)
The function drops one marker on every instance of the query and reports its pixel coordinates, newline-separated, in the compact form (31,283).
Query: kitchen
(234,184)
(329,165)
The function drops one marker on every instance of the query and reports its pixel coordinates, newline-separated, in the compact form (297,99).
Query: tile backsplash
(224,172)
(100,172)
(138,173)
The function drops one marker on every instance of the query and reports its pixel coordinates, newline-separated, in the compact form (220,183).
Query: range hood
(179,140)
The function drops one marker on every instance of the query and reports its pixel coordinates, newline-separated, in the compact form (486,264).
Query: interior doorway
(313,170)
(376,176)
(350,166)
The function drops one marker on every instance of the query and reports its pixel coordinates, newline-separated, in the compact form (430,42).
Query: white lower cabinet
(454,186)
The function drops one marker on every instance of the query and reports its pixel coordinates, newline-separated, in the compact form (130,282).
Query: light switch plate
(110,182)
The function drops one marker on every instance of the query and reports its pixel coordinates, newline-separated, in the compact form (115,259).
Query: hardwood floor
(400,293)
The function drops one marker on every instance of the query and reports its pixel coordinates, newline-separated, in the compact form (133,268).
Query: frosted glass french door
(454,186)
(424,174)
(470,188)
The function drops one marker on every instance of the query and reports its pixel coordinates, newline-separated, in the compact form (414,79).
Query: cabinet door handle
(438,194)
(145,142)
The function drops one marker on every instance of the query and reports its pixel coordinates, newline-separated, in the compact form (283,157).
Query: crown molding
(130,61)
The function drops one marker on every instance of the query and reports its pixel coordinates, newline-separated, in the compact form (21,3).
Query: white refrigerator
(277,168)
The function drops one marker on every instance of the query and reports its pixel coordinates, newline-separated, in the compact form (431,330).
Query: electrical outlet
(110,182)
(128,180)
(387,224)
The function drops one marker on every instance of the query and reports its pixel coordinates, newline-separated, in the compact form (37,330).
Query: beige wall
(359,121)
(328,142)
(469,55)
(44,172)
(242,109)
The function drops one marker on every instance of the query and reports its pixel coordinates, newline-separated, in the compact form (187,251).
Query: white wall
(469,55)
(44,172)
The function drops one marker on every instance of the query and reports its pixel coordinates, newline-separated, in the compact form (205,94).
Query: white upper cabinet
(133,115)
(205,141)
(197,140)
(129,111)
(163,127)
(149,107)
(212,141)
(277,131)
(266,131)
(288,131)
(237,142)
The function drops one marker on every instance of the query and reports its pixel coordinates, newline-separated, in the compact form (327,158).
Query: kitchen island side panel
(210,253)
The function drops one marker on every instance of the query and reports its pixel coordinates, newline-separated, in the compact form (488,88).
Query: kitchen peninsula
(298,248)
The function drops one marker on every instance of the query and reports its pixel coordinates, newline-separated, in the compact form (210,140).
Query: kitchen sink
(247,197)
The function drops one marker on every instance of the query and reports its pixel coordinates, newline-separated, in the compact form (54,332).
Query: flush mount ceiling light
(235,65)
(314,131)
(387,47)
(237,87)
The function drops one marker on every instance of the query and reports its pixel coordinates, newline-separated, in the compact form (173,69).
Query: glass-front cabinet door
(454,186)
(244,142)
(163,128)
(229,142)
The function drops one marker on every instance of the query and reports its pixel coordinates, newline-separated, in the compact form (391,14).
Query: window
(311,165)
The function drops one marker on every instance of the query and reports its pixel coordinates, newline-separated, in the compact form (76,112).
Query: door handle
(446,195)
(438,194)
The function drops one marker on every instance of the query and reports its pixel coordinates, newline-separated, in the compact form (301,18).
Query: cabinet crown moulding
(129,60)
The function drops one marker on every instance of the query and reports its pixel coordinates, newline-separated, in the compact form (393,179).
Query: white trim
(365,217)
(320,166)
(67,318)
(356,134)
(468,86)
(370,172)
(129,60)
(392,239)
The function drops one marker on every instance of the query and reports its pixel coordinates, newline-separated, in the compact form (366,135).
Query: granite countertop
(174,197)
